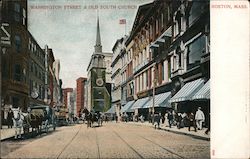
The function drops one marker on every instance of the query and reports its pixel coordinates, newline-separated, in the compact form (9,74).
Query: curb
(178,132)
(192,135)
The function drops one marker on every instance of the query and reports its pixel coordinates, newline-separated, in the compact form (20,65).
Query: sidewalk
(7,132)
(200,134)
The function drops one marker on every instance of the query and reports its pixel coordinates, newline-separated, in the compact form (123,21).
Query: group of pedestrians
(183,119)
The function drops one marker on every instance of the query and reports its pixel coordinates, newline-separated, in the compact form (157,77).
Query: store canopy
(111,110)
(140,103)
(203,93)
(161,100)
(187,91)
(127,107)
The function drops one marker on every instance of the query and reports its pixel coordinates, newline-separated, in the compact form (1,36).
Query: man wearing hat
(199,117)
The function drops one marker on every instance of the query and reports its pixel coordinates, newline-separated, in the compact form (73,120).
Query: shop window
(17,72)
(195,50)
(18,43)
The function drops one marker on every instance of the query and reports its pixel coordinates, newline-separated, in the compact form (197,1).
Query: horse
(17,121)
(87,117)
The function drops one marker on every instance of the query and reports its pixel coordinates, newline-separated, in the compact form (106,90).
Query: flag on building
(122,21)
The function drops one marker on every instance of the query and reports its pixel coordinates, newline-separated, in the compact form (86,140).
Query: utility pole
(154,85)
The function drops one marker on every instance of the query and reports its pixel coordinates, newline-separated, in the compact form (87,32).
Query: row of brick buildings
(165,61)
(29,73)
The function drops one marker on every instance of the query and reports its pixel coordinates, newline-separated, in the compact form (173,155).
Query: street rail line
(69,142)
(97,143)
(128,144)
(170,151)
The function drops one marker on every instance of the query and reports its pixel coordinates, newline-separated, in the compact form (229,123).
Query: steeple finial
(98,45)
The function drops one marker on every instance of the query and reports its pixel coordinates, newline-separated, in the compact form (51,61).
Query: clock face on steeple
(99,82)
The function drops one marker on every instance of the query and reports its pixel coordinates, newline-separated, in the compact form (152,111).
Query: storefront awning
(203,93)
(111,110)
(161,100)
(187,91)
(140,103)
(127,107)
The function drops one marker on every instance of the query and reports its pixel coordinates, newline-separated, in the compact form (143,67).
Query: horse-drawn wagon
(93,117)
(42,117)
(39,117)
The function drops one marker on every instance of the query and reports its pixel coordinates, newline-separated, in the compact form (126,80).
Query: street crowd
(171,118)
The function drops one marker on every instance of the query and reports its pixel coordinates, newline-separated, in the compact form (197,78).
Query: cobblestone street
(112,140)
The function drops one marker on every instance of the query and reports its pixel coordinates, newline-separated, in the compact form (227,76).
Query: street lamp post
(153,108)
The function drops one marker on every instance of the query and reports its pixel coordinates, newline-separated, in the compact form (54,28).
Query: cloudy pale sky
(71,31)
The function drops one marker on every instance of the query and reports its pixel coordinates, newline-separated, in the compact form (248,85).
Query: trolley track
(165,149)
(128,144)
(97,143)
(168,150)
(66,146)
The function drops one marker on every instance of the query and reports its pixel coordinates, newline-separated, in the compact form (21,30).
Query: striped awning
(140,103)
(161,100)
(203,93)
(111,110)
(127,107)
(187,91)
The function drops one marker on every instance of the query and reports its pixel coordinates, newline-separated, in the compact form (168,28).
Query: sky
(69,28)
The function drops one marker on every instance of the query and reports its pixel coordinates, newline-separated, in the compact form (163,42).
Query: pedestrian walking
(200,118)
(170,118)
(191,121)
(157,120)
(149,118)
(208,126)
(116,118)
(163,119)
(10,118)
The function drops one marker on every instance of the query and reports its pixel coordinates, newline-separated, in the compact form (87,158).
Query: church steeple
(98,45)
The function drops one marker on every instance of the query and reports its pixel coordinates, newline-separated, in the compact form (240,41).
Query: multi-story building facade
(36,72)
(116,77)
(80,95)
(14,55)
(169,46)
(52,79)
(71,104)
(190,56)
(65,96)
(56,85)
